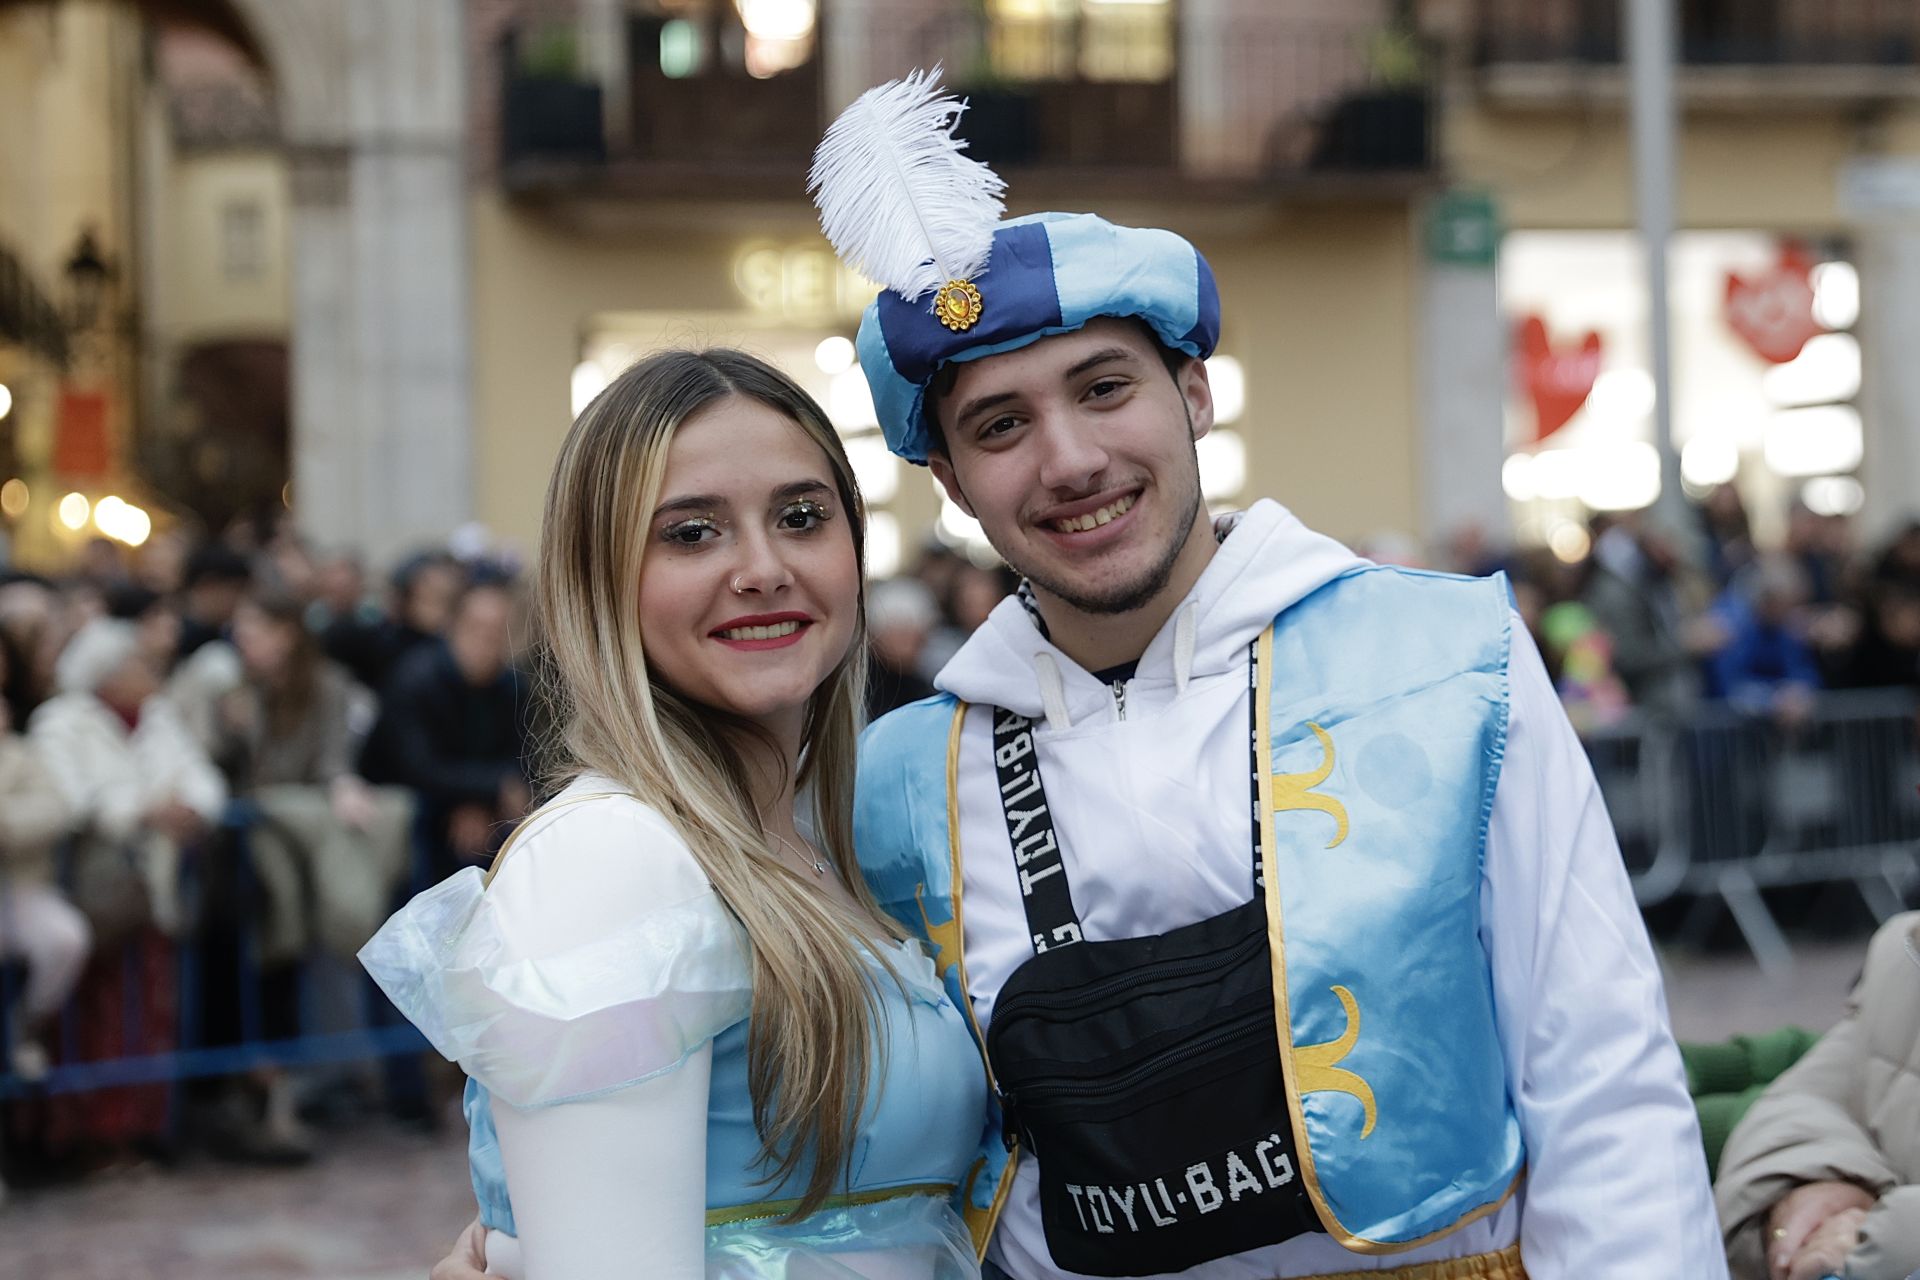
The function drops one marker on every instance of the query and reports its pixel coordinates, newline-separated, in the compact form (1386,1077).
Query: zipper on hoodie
(1120,697)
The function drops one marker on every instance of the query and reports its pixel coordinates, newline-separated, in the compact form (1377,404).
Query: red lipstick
(802,620)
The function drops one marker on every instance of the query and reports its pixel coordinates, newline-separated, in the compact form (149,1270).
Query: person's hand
(1793,706)
(182,823)
(1825,1252)
(237,712)
(352,802)
(1798,1214)
(1705,636)
(468,829)
(468,1260)
(1834,629)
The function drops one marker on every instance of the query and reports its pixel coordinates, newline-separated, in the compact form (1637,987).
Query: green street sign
(1463,229)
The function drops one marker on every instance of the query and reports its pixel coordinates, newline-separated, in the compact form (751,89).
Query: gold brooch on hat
(957,305)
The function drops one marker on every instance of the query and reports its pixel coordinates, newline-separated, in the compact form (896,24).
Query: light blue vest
(1384,725)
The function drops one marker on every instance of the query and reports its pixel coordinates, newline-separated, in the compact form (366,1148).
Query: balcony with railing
(1124,98)
(1740,52)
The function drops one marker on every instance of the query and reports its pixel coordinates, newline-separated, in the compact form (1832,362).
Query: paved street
(380,1205)
(377,1205)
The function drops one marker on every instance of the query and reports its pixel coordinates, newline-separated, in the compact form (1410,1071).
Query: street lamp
(88,274)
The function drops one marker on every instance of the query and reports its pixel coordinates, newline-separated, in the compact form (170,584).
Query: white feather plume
(899,199)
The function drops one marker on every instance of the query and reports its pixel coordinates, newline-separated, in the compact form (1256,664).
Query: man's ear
(942,467)
(1197,391)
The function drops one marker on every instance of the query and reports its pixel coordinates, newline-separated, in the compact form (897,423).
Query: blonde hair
(813,1023)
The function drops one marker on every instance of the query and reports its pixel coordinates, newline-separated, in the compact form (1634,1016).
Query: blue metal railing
(381,1033)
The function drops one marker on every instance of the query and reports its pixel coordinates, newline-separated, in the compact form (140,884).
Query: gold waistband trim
(765,1210)
(1504,1265)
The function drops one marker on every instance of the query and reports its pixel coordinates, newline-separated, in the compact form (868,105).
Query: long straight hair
(813,1023)
(289,699)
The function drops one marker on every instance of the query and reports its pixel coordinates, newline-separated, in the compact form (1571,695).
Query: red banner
(1773,312)
(1557,382)
(81,450)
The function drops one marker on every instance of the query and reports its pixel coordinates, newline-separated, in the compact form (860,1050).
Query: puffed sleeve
(599,957)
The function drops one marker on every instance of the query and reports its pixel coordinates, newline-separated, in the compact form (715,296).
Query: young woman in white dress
(693,1036)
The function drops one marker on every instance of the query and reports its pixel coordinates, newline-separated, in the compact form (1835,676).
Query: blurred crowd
(1659,620)
(245,753)
(1645,619)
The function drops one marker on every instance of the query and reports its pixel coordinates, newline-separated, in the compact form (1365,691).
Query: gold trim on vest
(1306,1069)
(1504,1265)
(979,1221)
(762,1210)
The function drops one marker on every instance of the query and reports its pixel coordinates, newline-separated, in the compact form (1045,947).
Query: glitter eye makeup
(689,532)
(813,513)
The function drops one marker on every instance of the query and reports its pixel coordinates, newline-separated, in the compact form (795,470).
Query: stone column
(1882,197)
(1889,327)
(327,415)
(382,422)
(1462,383)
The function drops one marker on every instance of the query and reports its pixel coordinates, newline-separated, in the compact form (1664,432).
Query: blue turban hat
(1047,273)
(904,205)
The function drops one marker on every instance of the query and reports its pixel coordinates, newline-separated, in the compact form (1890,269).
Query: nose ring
(734,583)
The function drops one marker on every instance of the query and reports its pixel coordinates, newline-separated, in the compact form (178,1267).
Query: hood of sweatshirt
(1267,561)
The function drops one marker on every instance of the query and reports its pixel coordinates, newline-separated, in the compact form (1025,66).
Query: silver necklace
(819,865)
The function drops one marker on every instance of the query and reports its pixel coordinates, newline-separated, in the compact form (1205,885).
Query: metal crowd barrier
(374,1031)
(1718,809)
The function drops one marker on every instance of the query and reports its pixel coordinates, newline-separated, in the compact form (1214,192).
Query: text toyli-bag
(1143,1074)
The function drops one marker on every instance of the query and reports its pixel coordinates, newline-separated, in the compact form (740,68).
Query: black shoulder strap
(1036,846)
(1254,692)
(1044,891)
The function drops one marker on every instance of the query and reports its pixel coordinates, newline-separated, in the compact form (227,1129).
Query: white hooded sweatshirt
(1148,786)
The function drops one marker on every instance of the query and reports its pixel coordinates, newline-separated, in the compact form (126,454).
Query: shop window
(1106,40)
(1767,364)
(762,38)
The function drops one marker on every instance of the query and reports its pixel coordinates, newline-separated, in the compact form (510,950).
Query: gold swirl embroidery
(1294,791)
(1315,1065)
(945,937)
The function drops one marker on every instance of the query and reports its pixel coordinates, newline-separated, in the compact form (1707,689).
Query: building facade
(639,180)
(458,218)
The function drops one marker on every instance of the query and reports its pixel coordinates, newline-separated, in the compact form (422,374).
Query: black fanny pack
(1143,1074)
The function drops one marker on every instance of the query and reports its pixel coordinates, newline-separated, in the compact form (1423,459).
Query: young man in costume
(1473,1053)
(1276,882)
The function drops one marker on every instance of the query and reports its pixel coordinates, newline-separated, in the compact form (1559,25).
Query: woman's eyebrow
(801,489)
(691,502)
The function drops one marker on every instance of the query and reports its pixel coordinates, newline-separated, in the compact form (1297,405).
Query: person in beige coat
(330,848)
(1822,1175)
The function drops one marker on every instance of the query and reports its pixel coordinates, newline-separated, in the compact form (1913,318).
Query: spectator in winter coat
(371,647)
(901,614)
(454,726)
(1634,593)
(1822,1175)
(37,923)
(217,579)
(288,735)
(137,780)
(1767,667)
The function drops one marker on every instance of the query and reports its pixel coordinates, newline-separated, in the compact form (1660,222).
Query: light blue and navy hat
(1048,273)
(903,204)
